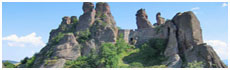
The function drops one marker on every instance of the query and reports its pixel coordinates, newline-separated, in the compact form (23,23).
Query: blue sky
(26,26)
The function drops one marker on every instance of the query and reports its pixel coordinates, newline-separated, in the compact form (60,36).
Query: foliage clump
(83,36)
(110,56)
(195,64)
(150,54)
(7,64)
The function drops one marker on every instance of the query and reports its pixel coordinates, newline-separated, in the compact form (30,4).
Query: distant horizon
(23,21)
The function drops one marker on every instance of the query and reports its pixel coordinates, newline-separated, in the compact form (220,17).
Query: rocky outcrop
(171,51)
(205,54)
(190,41)
(87,19)
(104,29)
(188,30)
(160,20)
(67,49)
(183,35)
(142,20)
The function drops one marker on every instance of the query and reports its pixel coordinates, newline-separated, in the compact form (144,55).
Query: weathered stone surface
(103,13)
(67,49)
(87,19)
(125,33)
(88,7)
(66,20)
(104,28)
(160,20)
(189,31)
(205,54)
(171,51)
(88,47)
(142,20)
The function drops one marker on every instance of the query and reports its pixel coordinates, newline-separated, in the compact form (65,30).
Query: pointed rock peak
(88,6)
(66,20)
(102,7)
(160,20)
(142,20)
(141,13)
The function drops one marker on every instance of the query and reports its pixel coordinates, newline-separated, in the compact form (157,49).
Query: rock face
(190,41)
(189,30)
(183,34)
(171,51)
(67,49)
(159,19)
(87,19)
(104,29)
(142,20)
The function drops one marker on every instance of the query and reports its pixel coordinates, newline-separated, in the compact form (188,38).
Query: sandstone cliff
(74,38)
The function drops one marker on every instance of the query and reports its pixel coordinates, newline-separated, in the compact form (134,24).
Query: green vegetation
(195,64)
(103,24)
(30,62)
(50,62)
(123,55)
(83,36)
(9,65)
(150,54)
(57,38)
(24,60)
(74,20)
(110,56)
(158,28)
(136,65)
(158,66)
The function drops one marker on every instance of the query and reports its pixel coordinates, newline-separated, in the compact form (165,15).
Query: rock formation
(159,19)
(75,38)
(87,19)
(142,20)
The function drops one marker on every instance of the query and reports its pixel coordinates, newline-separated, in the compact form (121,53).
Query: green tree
(30,62)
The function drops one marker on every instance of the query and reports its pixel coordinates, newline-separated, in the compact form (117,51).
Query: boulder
(189,32)
(204,53)
(142,20)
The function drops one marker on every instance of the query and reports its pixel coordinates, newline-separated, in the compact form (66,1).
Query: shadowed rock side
(142,20)
(74,38)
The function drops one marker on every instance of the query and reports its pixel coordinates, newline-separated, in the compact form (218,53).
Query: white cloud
(220,47)
(30,39)
(224,4)
(195,8)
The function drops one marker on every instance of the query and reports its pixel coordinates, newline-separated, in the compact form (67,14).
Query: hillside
(94,41)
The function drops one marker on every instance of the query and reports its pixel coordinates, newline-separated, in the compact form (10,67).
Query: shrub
(151,53)
(136,65)
(81,62)
(24,60)
(195,64)
(9,65)
(30,62)
(158,66)
(57,38)
(110,56)
(50,62)
(83,35)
